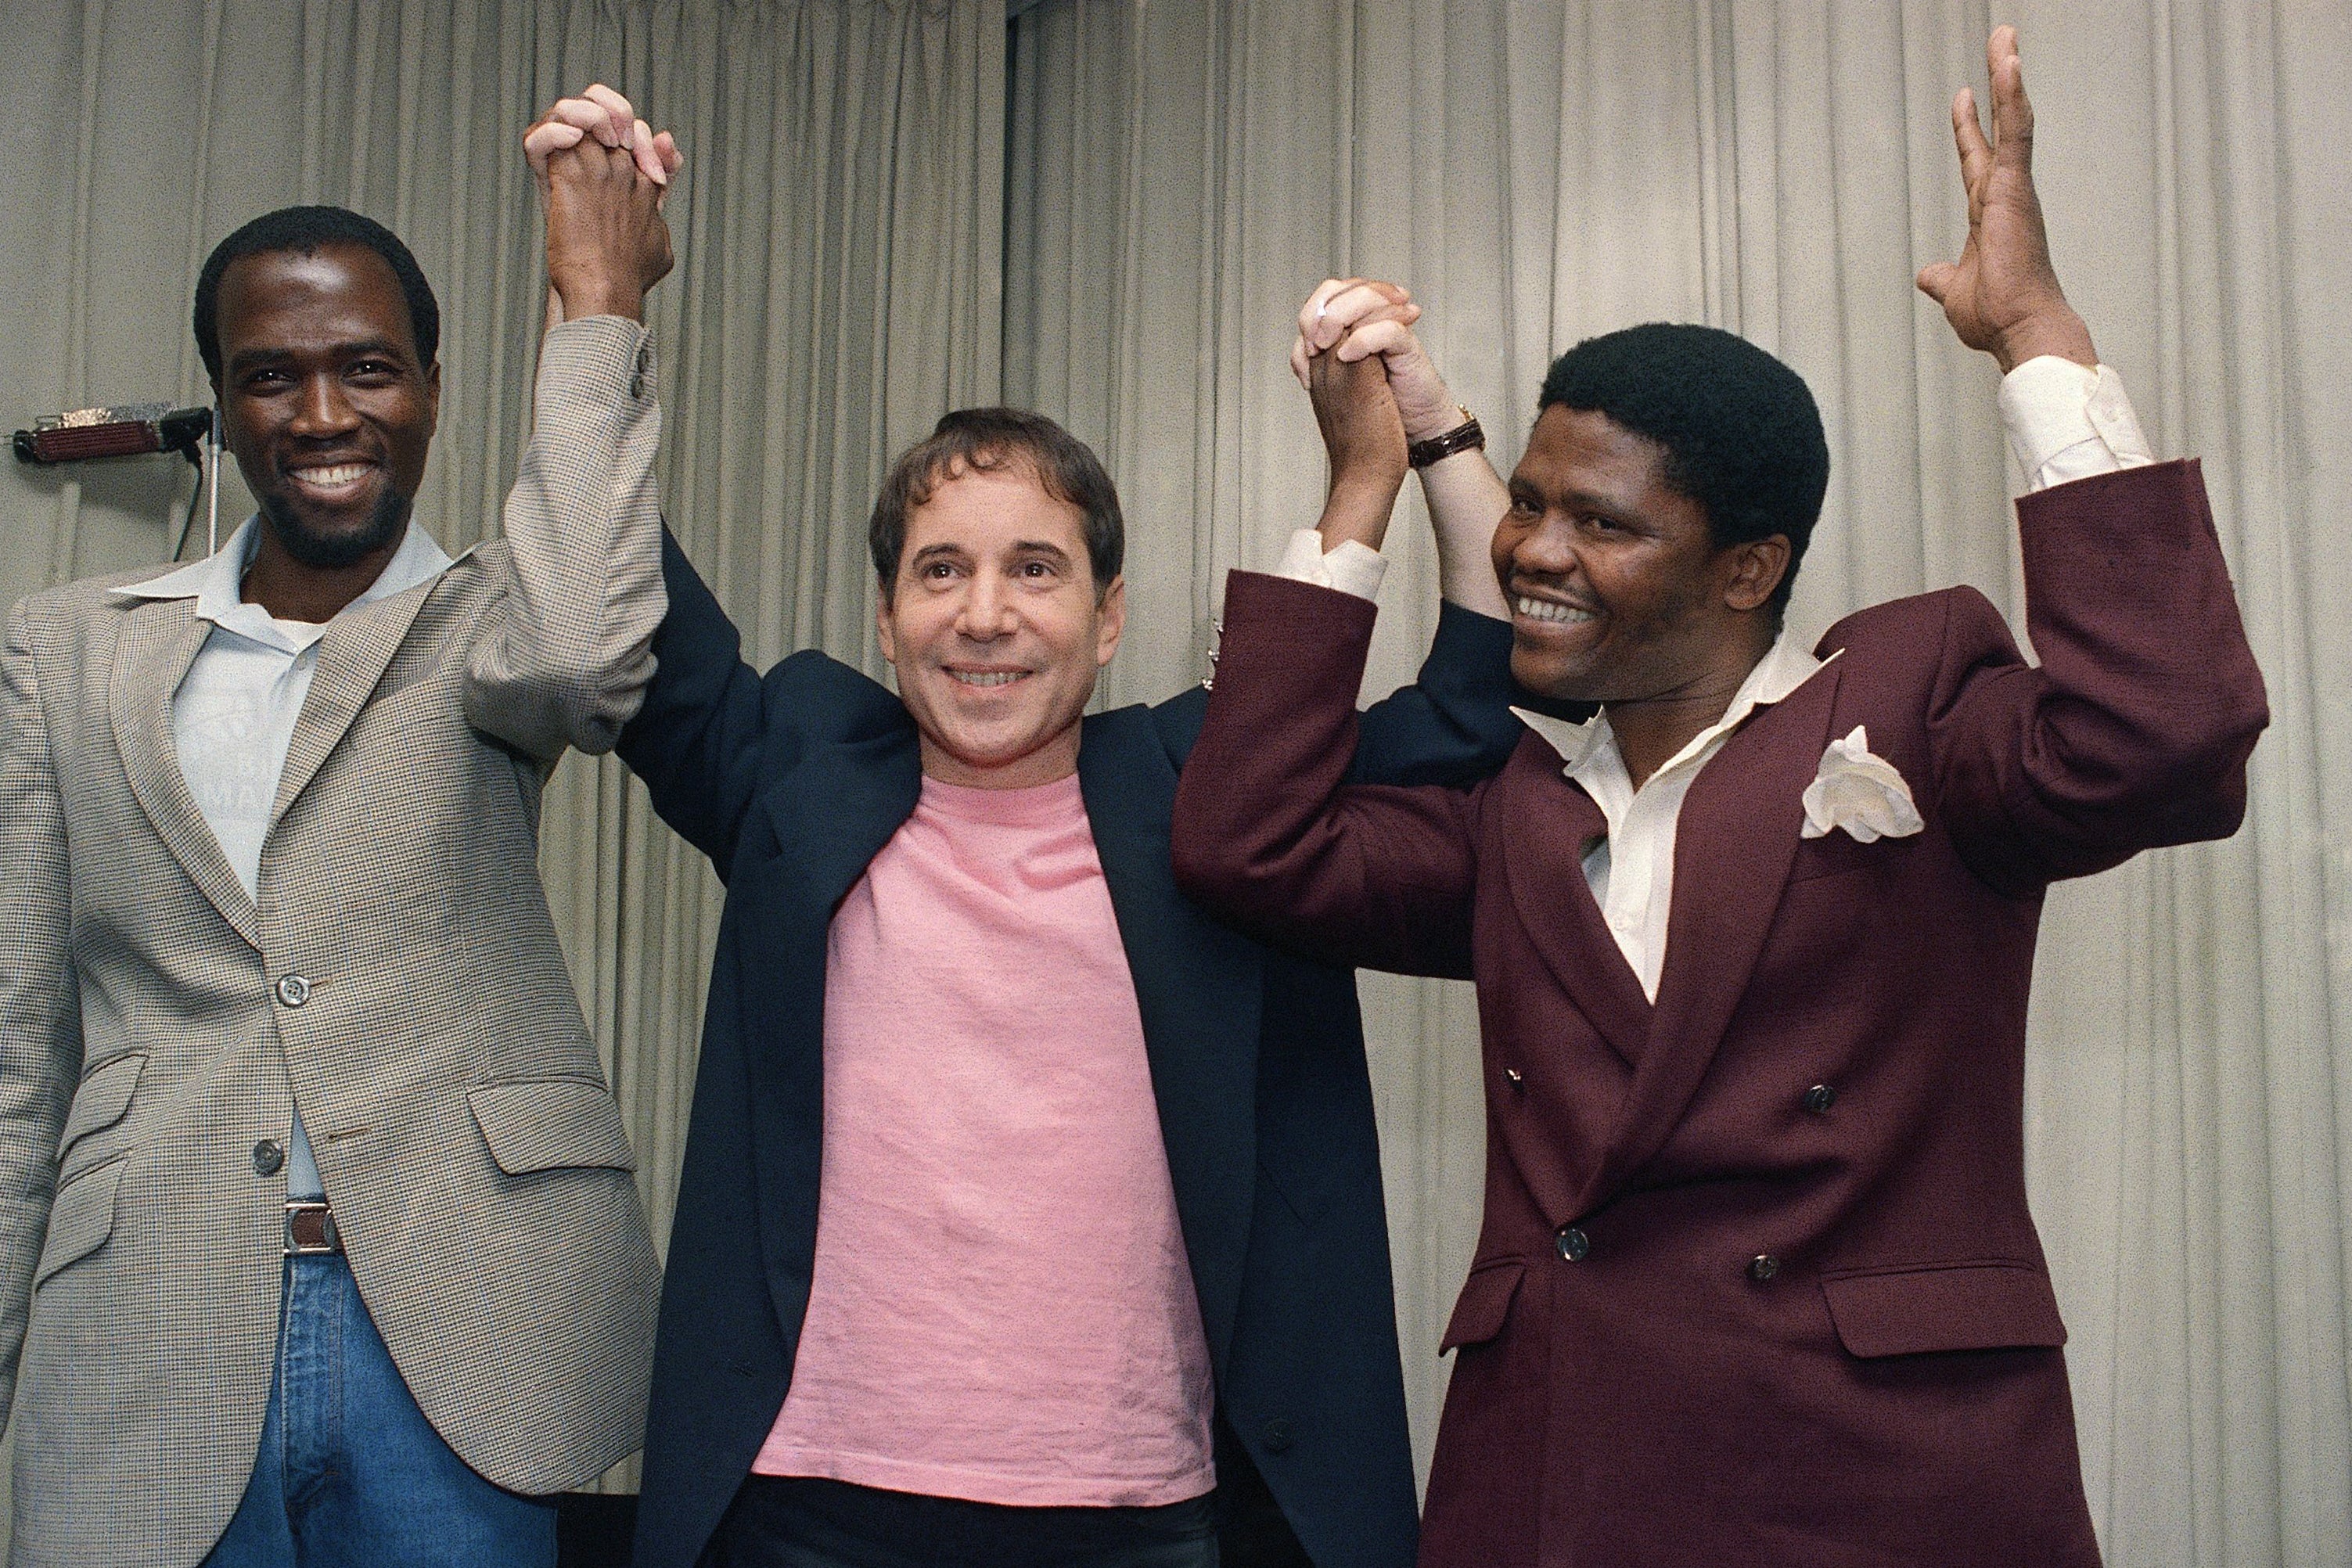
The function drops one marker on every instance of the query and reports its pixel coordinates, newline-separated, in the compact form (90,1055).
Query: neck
(1057,759)
(290,591)
(1650,731)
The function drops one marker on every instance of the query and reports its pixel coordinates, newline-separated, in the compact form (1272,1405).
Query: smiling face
(1618,591)
(322,399)
(997,629)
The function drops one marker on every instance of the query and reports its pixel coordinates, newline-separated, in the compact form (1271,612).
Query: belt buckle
(310,1229)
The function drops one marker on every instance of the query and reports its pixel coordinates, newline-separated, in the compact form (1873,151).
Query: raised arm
(1268,834)
(1264,832)
(566,655)
(1348,320)
(2135,729)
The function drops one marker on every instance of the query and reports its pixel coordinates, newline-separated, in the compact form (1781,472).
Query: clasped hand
(603,175)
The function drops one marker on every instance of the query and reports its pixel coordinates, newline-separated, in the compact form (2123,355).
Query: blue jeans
(351,1475)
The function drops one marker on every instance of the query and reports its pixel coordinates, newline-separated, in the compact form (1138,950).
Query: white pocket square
(1860,793)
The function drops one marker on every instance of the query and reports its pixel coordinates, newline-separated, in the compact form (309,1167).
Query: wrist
(1359,509)
(1434,419)
(1464,436)
(1365,485)
(2060,333)
(578,298)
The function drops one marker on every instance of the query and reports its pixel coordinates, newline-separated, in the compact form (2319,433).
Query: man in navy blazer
(812,1382)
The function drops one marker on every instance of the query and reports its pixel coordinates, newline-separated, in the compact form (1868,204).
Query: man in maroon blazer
(1756,1281)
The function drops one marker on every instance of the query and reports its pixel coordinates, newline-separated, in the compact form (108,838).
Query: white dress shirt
(233,716)
(2064,422)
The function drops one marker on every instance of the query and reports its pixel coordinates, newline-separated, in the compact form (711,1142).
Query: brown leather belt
(310,1229)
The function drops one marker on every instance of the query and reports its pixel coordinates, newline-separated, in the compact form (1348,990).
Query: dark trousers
(779,1521)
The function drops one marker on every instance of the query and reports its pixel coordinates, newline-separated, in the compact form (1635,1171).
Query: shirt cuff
(2068,421)
(1352,568)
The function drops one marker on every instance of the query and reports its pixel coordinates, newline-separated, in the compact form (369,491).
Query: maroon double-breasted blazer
(1757,1282)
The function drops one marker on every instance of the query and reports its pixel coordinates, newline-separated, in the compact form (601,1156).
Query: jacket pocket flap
(1483,1305)
(552,1123)
(102,1098)
(81,1219)
(1960,1307)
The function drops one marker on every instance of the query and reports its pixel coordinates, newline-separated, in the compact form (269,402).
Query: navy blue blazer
(792,782)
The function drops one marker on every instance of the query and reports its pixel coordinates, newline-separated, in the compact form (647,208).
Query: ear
(1110,621)
(1754,571)
(432,394)
(882,629)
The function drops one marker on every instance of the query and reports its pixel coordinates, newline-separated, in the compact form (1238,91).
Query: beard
(332,551)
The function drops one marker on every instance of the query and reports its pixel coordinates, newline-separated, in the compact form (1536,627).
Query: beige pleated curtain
(1110,210)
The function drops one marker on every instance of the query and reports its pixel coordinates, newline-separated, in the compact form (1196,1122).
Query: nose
(321,409)
(1545,548)
(987,610)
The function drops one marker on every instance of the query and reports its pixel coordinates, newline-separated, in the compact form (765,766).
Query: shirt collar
(1785,667)
(216,583)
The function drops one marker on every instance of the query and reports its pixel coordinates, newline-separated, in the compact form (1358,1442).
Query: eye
(1599,523)
(1036,571)
(374,369)
(1526,509)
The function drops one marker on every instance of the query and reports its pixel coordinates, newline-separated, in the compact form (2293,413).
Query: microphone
(125,432)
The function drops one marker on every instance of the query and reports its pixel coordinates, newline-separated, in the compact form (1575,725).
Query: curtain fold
(1179,177)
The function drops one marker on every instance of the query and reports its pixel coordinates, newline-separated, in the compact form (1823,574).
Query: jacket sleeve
(699,738)
(566,651)
(40,1001)
(2135,729)
(1453,725)
(1267,832)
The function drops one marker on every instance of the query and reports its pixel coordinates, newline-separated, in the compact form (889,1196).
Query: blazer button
(293,989)
(1819,1098)
(1277,1435)
(1573,1244)
(268,1156)
(1518,1080)
(1762,1267)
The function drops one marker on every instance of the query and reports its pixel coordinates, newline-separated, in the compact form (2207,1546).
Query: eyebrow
(1578,500)
(1044,549)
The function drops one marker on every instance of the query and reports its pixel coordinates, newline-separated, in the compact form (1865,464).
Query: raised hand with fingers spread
(2002,295)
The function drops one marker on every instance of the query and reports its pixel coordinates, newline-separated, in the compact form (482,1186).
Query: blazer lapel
(352,659)
(160,638)
(841,807)
(1734,844)
(1543,863)
(1198,987)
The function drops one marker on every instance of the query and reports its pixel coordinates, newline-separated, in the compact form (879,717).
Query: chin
(1545,678)
(328,549)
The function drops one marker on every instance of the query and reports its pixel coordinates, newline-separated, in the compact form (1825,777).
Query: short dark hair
(986,440)
(1741,433)
(305,231)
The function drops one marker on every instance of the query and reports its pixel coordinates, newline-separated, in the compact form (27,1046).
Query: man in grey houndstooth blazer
(376,993)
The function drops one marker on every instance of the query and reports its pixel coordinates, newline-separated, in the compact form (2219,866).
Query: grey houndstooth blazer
(152,1030)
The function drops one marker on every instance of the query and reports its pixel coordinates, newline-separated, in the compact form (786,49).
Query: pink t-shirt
(1002,1308)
